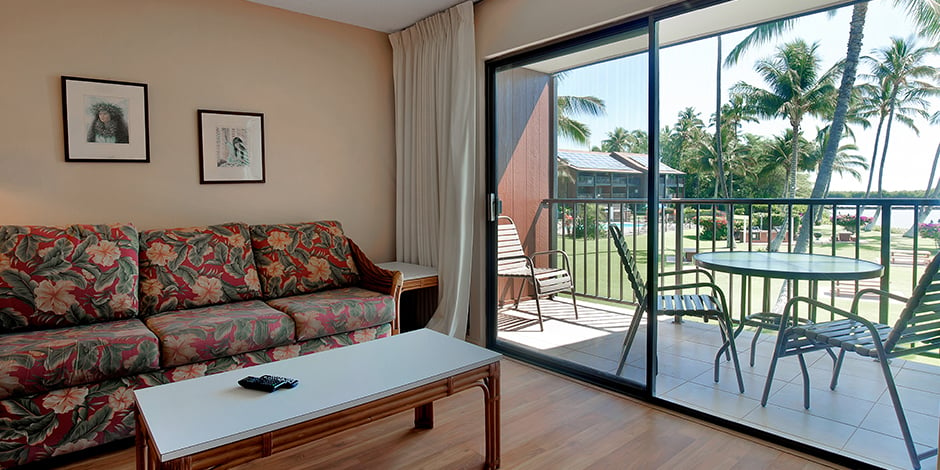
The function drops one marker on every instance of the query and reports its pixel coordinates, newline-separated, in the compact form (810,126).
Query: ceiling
(387,16)
(729,16)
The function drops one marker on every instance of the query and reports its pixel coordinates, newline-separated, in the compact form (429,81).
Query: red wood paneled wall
(524,160)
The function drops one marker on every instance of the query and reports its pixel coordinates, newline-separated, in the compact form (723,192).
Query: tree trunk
(874,157)
(856,33)
(881,164)
(790,192)
(720,183)
(927,194)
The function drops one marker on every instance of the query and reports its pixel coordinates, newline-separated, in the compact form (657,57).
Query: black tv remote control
(267,383)
(287,382)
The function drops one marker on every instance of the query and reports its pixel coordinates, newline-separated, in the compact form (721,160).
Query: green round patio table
(797,266)
(790,266)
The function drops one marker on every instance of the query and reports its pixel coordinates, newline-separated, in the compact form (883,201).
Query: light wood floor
(548,422)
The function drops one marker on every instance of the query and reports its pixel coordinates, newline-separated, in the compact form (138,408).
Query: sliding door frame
(649,22)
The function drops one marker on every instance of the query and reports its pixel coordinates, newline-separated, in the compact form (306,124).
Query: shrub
(931,231)
(589,221)
(716,228)
(847,221)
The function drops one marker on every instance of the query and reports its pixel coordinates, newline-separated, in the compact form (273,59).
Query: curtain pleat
(435,117)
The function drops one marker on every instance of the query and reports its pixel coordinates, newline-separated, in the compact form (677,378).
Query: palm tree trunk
(881,164)
(874,157)
(853,51)
(720,172)
(927,193)
(774,244)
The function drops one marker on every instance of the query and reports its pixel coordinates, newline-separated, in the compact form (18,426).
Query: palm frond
(761,35)
(574,130)
(577,105)
(925,13)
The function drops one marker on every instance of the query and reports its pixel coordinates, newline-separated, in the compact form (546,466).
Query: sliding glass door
(565,171)
(705,127)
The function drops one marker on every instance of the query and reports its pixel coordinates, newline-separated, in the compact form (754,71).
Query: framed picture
(105,120)
(231,147)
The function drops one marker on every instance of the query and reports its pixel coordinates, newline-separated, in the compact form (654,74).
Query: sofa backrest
(302,258)
(64,276)
(193,267)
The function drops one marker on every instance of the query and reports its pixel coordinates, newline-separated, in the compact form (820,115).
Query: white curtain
(435,119)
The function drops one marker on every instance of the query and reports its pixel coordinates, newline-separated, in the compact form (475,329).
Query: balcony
(856,419)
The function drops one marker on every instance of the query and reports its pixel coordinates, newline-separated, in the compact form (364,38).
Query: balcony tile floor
(856,419)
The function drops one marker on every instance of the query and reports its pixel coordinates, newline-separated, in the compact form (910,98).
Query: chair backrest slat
(919,334)
(931,297)
(922,348)
(918,326)
(629,265)
(508,245)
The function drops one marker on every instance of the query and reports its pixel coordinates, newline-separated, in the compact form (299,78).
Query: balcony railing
(688,226)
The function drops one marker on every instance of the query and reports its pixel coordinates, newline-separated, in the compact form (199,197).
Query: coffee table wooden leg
(140,442)
(424,416)
(491,391)
(183,463)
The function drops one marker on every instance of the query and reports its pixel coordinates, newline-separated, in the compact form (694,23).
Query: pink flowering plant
(848,221)
(931,231)
(716,228)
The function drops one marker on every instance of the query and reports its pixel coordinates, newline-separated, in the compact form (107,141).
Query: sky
(688,78)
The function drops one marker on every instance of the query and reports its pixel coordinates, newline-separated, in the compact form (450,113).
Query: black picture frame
(231,147)
(105,120)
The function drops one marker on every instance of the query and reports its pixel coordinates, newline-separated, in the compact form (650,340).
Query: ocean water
(901,218)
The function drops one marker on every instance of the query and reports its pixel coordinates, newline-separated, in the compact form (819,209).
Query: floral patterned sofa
(88,313)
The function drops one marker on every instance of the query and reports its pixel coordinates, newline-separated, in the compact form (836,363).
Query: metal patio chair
(917,330)
(512,262)
(710,306)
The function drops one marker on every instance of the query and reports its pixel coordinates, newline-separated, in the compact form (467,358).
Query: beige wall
(325,90)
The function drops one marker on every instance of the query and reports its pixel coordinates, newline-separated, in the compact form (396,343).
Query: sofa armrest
(377,279)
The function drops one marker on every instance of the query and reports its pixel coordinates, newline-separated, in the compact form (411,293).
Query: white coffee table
(208,421)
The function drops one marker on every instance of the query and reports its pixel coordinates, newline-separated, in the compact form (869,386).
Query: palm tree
(687,133)
(847,161)
(639,142)
(763,173)
(680,149)
(731,117)
(935,120)
(898,71)
(617,140)
(734,114)
(796,90)
(708,161)
(778,155)
(689,124)
(876,100)
(570,106)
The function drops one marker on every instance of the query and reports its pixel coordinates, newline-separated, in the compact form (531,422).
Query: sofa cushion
(336,311)
(194,267)
(37,361)
(205,333)
(302,258)
(55,277)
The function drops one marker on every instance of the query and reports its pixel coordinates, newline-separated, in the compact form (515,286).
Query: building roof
(614,162)
(638,161)
(594,161)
